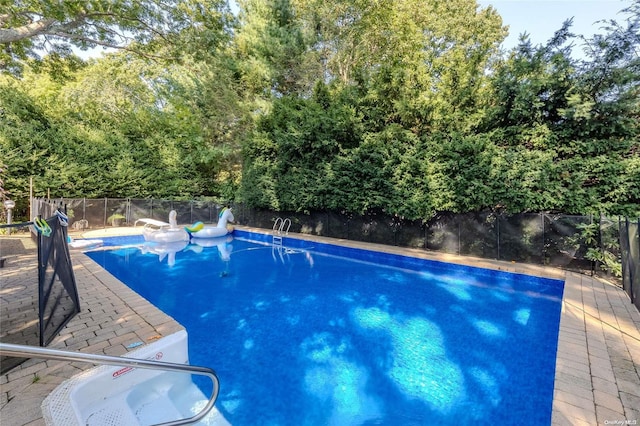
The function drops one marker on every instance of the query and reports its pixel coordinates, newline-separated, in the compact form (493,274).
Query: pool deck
(597,365)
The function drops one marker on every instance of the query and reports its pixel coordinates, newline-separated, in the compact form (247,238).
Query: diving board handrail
(24,351)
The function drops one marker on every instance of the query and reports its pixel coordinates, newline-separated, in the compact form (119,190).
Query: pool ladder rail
(23,351)
(280,227)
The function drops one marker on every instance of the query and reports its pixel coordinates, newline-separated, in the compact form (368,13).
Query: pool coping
(597,363)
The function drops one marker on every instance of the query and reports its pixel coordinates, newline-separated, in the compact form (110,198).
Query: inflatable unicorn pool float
(162,232)
(199,230)
(166,239)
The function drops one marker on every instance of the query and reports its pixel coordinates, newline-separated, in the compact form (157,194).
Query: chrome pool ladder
(280,226)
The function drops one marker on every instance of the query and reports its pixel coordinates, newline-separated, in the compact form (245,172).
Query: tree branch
(62,29)
(109,45)
(33,29)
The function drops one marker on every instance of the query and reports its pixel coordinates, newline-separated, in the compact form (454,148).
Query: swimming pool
(306,336)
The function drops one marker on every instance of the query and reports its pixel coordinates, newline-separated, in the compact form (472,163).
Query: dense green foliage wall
(409,107)
(442,122)
(121,127)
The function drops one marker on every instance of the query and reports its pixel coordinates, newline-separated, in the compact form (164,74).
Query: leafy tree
(29,27)
(529,89)
(273,50)
(609,83)
(418,64)
(289,156)
(387,64)
(145,131)
(405,107)
(25,143)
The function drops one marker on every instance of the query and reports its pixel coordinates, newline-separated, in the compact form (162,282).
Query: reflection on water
(418,362)
(336,383)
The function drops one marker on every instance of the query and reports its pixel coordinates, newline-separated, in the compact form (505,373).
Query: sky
(542,18)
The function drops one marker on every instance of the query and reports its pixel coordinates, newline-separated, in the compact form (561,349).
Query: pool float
(160,232)
(199,230)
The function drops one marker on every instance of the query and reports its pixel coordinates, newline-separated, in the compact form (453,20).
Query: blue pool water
(307,336)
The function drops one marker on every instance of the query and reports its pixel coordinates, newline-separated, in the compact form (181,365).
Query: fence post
(498,234)
(543,251)
(635,278)
(327,232)
(31,210)
(634,267)
(425,235)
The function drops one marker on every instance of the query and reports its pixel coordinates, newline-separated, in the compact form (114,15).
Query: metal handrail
(284,223)
(23,351)
(275,224)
